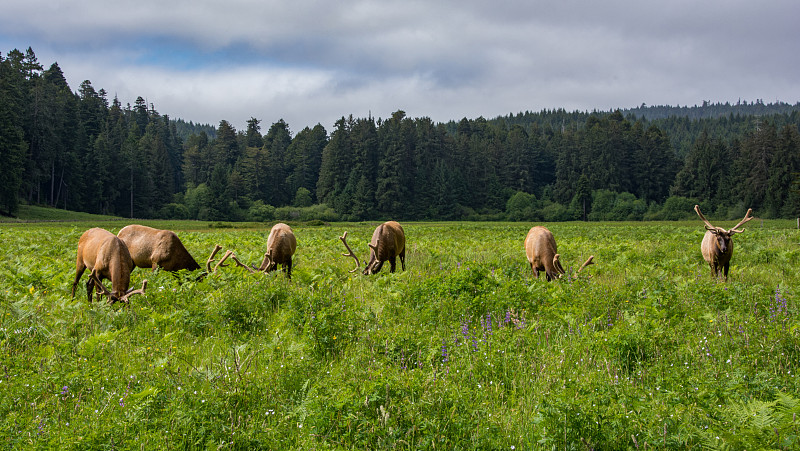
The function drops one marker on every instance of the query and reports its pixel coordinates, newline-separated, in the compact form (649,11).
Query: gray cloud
(315,61)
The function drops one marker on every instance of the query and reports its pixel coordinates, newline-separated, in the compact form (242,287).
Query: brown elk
(388,242)
(717,245)
(542,253)
(155,248)
(281,245)
(107,257)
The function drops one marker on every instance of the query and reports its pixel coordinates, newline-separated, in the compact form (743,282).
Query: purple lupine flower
(444,352)
(489,323)
(508,317)
(64,390)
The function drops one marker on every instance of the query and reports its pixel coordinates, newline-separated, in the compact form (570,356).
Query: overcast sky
(311,62)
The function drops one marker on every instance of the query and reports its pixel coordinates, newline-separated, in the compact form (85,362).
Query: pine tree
(12,136)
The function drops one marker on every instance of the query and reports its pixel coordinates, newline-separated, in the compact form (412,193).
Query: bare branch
(351,253)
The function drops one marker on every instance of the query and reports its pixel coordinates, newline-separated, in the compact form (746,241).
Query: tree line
(80,151)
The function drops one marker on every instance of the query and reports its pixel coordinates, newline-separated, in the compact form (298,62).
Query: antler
(265,262)
(238,263)
(217,248)
(100,285)
(351,253)
(748,216)
(131,292)
(708,224)
(557,264)
(111,297)
(587,263)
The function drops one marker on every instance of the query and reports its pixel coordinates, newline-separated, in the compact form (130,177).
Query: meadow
(463,350)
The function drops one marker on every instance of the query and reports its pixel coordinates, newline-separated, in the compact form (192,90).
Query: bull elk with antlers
(388,242)
(281,244)
(107,257)
(717,245)
(542,253)
(155,248)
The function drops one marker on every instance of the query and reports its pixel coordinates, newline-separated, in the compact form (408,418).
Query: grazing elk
(281,245)
(717,245)
(388,242)
(542,253)
(155,248)
(107,257)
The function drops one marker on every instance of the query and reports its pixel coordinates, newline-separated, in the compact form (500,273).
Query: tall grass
(465,349)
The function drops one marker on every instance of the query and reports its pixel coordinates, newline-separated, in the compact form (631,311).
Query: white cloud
(315,61)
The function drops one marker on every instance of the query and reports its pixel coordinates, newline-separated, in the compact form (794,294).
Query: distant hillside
(185,129)
(712,110)
(34,213)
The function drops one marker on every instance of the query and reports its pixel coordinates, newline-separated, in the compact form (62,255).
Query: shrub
(521,207)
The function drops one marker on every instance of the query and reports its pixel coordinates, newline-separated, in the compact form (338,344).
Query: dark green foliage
(81,152)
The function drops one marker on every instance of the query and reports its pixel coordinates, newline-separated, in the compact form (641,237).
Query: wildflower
(444,352)
(64,390)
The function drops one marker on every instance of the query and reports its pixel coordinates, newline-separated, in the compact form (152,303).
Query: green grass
(463,350)
(35,213)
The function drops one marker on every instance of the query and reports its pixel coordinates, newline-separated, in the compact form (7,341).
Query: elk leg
(403,259)
(725,270)
(393,264)
(288,269)
(90,289)
(79,269)
(376,267)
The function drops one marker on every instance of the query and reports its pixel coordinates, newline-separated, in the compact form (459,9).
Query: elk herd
(113,257)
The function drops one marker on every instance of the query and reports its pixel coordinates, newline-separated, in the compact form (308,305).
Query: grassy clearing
(34,213)
(463,350)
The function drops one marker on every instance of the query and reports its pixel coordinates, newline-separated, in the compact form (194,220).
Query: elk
(717,245)
(155,248)
(107,257)
(388,242)
(542,253)
(281,244)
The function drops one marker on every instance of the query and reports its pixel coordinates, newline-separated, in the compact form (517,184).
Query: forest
(80,151)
